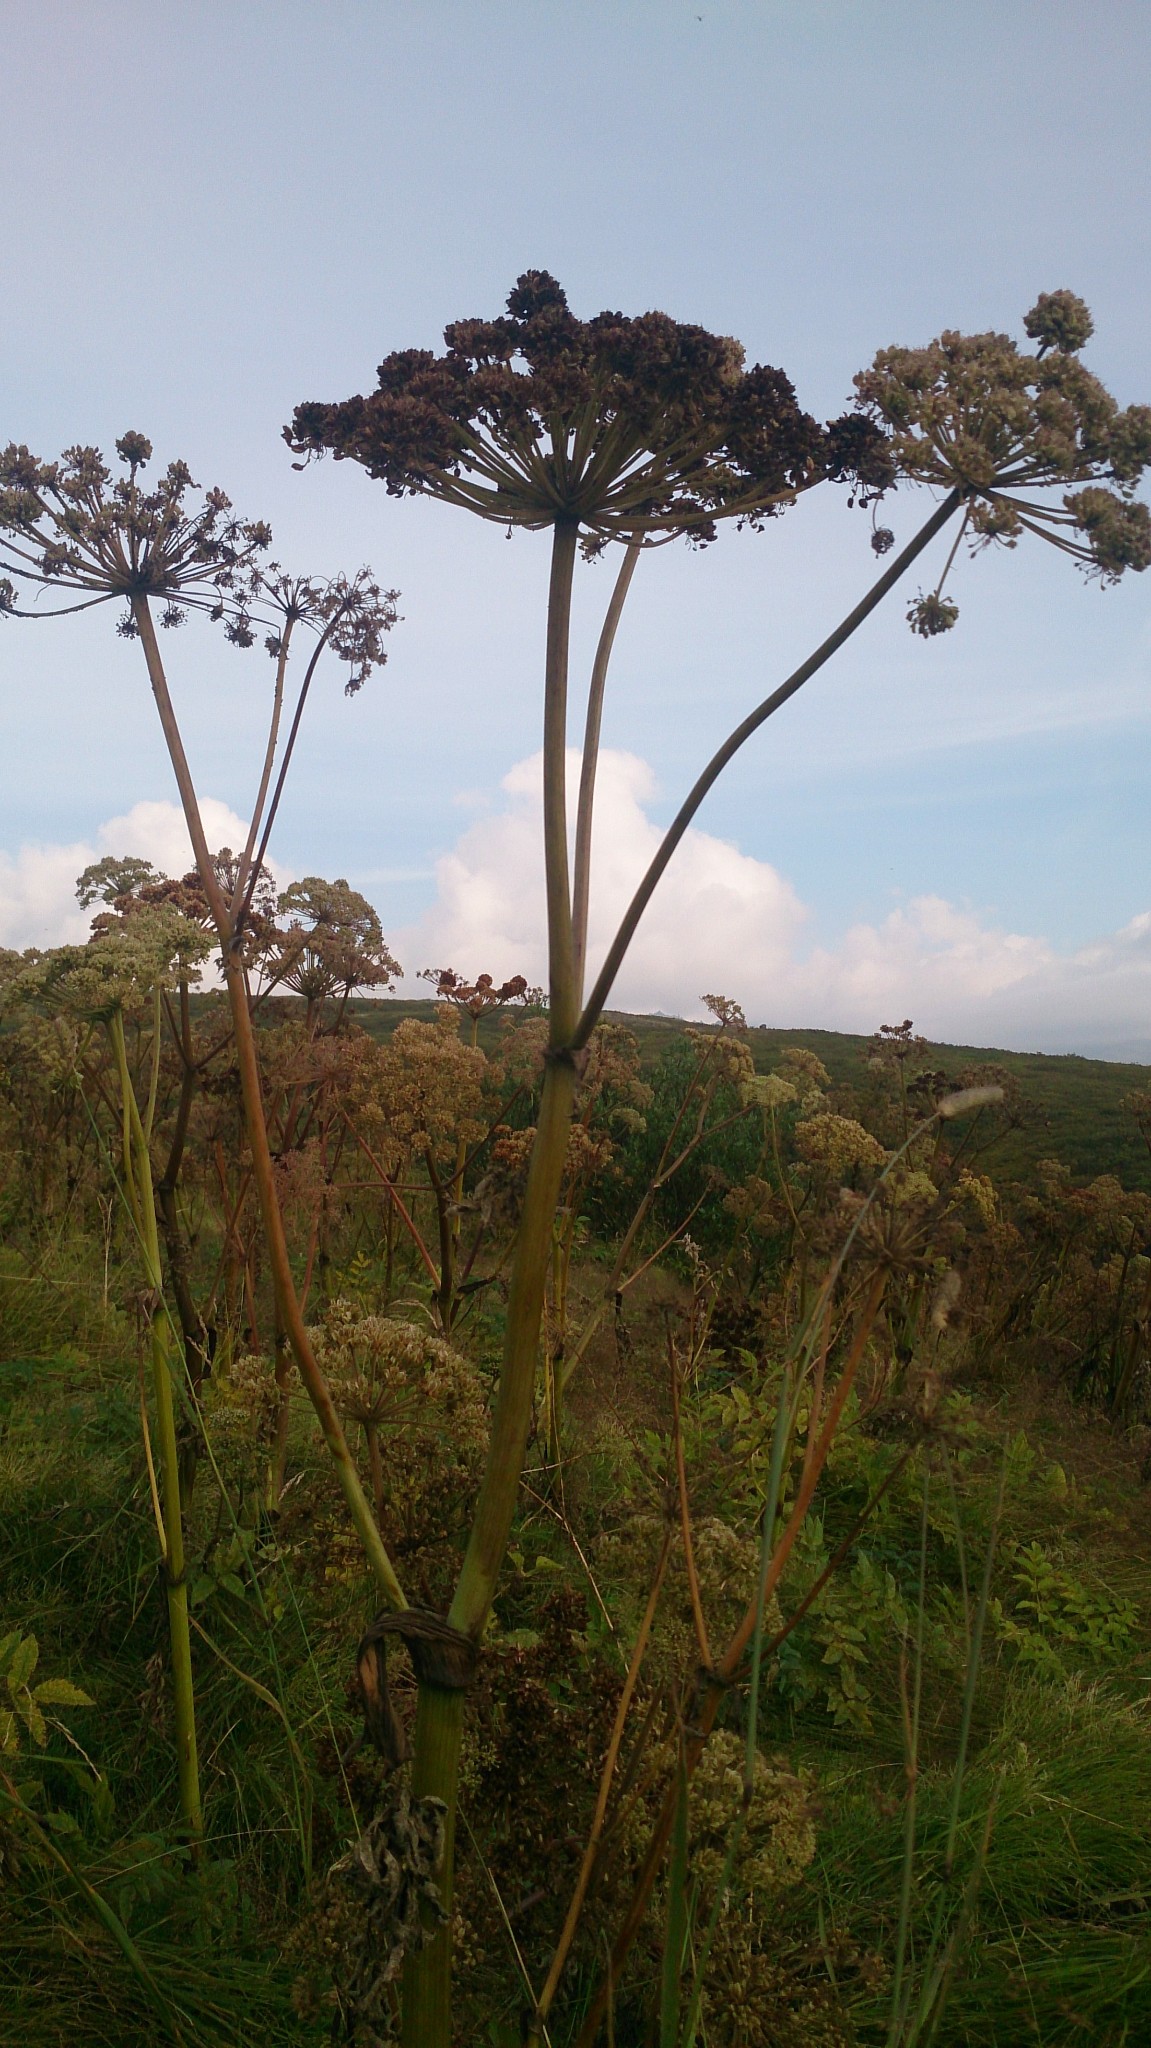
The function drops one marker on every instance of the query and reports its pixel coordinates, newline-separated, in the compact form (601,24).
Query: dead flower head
(333,941)
(633,427)
(76,526)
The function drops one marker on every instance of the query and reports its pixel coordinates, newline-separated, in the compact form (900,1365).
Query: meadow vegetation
(998,1414)
(495,1499)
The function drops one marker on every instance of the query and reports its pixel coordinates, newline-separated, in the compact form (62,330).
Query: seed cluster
(634,427)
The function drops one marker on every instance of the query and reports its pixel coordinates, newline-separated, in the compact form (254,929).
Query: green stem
(581,871)
(427,1985)
(439,1715)
(139,1165)
(899,2003)
(731,746)
(255,1120)
(288,1301)
(499,1490)
(109,1920)
(496,1505)
(974,1658)
(563,994)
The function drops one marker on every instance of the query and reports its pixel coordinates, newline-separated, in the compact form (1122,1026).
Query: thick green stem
(496,1505)
(176,1583)
(563,994)
(427,1985)
(439,1718)
(500,1488)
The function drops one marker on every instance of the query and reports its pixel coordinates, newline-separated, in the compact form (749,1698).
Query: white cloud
(717,906)
(725,922)
(38,895)
(720,921)
(38,904)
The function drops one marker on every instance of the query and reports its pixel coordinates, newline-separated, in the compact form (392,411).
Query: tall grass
(1059,1948)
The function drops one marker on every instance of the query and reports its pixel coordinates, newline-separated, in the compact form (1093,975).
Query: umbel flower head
(123,963)
(1015,432)
(73,525)
(333,941)
(474,999)
(633,427)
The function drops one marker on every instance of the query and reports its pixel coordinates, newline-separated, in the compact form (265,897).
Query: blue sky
(214,211)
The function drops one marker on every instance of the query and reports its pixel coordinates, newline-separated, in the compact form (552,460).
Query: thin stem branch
(245,862)
(575,1908)
(255,1119)
(703,1643)
(257,865)
(731,746)
(581,870)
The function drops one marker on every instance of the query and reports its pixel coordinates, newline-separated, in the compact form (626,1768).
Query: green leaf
(7,1645)
(23,1663)
(523,1638)
(94,1788)
(60,1692)
(62,1823)
(28,1710)
(9,1732)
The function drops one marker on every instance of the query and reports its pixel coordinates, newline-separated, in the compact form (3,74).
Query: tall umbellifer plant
(613,432)
(78,528)
(628,432)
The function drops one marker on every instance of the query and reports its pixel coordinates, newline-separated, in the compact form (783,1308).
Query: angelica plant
(629,432)
(333,943)
(92,537)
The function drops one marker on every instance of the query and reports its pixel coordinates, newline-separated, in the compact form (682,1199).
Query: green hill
(1072,1107)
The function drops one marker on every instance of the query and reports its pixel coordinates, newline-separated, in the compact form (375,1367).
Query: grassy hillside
(1072,1107)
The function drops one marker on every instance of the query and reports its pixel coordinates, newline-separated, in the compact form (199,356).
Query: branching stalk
(581,870)
(439,1715)
(593,1008)
(256,1125)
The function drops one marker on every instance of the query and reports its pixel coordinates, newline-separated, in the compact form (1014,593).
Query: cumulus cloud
(38,904)
(725,922)
(721,921)
(716,907)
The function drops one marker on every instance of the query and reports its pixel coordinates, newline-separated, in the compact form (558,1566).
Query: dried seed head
(931,615)
(632,427)
(1059,320)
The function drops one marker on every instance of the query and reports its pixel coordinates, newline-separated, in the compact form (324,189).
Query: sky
(213,212)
